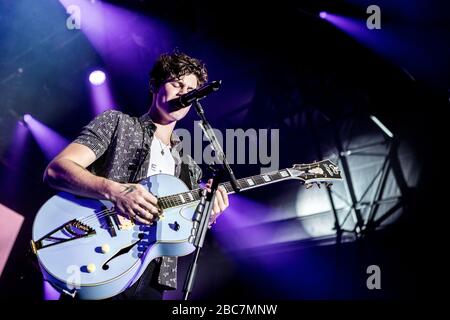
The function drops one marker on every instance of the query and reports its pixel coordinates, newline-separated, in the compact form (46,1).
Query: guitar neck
(257,180)
(243,183)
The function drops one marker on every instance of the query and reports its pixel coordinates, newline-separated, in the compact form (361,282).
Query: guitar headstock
(320,171)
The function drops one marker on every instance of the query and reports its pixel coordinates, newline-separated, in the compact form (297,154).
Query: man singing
(115,150)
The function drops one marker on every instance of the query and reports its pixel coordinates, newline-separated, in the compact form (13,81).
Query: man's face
(173,89)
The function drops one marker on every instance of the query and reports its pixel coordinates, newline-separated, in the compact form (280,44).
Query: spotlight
(97,77)
(323,14)
(27,118)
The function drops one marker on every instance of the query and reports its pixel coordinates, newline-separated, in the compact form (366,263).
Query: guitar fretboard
(251,182)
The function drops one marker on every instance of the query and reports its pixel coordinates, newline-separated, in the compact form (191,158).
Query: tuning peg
(308,185)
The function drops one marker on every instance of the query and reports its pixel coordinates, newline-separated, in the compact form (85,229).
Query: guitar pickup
(110,224)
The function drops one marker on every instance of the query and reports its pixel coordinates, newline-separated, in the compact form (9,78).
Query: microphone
(186,99)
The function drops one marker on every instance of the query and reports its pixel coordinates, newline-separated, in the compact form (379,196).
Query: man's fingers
(129,212)
(220,204)
(222,199)
(224,196)
(141,220)
(154,211)
(143,192)
(150,198)
(219,201)
(143,213)
(142,216)
(120,209)
(216,209)
(148,206)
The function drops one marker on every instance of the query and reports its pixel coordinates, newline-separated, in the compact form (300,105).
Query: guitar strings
(102,214)
(173,198)
(98,215)
(109,212)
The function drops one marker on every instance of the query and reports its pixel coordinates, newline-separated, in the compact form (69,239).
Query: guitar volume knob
(91,267)
(106,248)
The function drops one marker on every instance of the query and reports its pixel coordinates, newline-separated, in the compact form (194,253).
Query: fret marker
(250,182)
(181,197)
(190,196)
(266,178)
(284,174)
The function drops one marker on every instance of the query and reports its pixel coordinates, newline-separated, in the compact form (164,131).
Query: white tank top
(161,159)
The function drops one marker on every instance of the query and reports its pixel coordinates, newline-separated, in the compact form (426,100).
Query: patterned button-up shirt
(121,144)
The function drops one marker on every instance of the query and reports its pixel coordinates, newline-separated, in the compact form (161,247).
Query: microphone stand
(203,211)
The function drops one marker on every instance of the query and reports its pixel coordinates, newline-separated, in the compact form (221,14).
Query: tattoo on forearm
(129,189)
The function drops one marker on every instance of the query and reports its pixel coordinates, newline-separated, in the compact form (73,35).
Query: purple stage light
(101,98)
(249,230)
(323,15)
(50,142)
(120,35)
(97,77)
(27,118)
(384,42)
(50,293)
(19,139)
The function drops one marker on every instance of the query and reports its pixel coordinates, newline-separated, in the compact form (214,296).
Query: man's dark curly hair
(175,65)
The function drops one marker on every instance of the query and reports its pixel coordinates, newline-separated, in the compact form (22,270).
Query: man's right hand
(134,201)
